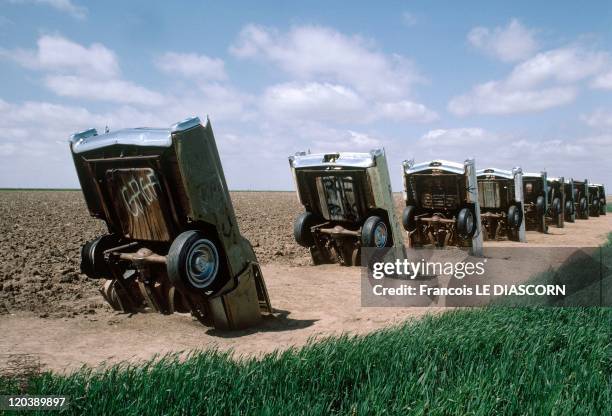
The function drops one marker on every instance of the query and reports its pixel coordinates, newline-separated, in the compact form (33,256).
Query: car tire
(409,218)
(515,216)
(194,263)
(569,207)
(602,206)
(584,207)
(556,206)
(93,264)
(302,228)
(540,205)
(466,223)
(375,233)
(596,207)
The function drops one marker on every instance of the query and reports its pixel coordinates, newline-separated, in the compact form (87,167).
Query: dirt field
(48,309)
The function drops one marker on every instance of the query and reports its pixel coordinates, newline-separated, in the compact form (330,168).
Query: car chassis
(556,197)
(569,206)
(348,206)
(500,194)
(581,199)
(535,192)
(442,204)
(595,199)
(173,243)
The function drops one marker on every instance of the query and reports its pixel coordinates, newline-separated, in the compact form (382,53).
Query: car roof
(495,171)
(141,136)
(340,159)
(441,164)
(532,175)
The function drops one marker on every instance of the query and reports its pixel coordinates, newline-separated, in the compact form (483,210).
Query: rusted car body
(581,199)
(535,192)
(555,214)
(603,206)
(594,200)
(500,197)
(173,243)
(442,204)
(569,210)
(348,205)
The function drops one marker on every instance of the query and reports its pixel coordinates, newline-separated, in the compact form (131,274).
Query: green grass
(585,274)
(471,362)
(487,361)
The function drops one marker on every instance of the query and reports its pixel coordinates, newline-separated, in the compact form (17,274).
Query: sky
(517,83)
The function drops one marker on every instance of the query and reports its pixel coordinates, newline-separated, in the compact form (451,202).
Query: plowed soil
(52,311)
(43,231)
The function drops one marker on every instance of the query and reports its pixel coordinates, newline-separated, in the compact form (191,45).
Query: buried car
(500,195)
(603,206)
(555,214)
(348,205)
(594,200)
(569,210)
(442,204)
(173,243)
(581,199)
(536,201)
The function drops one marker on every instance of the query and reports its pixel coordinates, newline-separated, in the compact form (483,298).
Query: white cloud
(336,103)
(66,6)
(58,54)
(499,98)
(7,149)
(603,81)
(578,156)
(192,65)
(323,54)
(221,101)
(511,43)
(327,102)
(34,142)
(549,79)
(450,137)
(405,111)
(43,121)
(78,71)
(113,90)
(333,140)
(598,118)
(335,77)
(563,65)
(362,140)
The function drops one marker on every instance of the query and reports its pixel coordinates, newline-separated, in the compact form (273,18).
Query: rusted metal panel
(165,190)
(337,195)
(341,192)
(138,200)
(489,194)
(436,192)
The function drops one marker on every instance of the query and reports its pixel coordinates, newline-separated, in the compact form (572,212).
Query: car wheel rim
(469,223)
(380,235)
(202,263)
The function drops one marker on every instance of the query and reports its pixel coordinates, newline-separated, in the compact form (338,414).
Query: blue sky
(513,83)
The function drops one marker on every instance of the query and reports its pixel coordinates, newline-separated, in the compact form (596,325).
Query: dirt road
(309,302)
